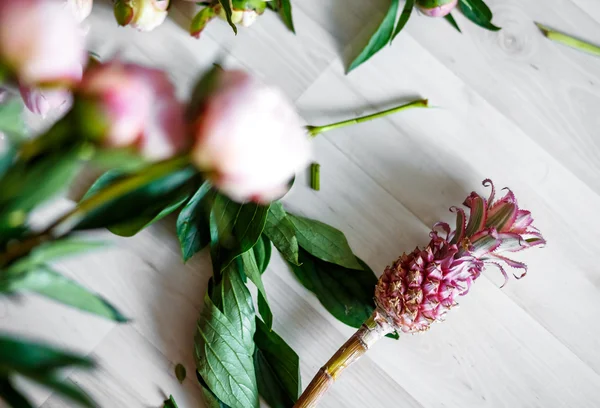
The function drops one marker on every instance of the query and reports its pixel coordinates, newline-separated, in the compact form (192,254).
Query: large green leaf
(235,228)
(39,363)
(404,16)
(193,228)
(479,13)
(284,8)
(52,251)
(380,39)
(26,185)
(277,368)
(280,230)
(170,403)
(12,396)
(210,399)
(45,282)
(346,293)
(324,242)
(224,345)
(253,272)
(130,212)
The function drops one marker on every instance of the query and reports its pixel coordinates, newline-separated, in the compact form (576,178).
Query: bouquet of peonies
(219,162)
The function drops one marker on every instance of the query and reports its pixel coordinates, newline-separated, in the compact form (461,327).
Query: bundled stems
(372,330)
(315,130)
(64,225)
(569,41)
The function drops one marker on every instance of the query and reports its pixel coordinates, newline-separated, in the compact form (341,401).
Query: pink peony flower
(40,42)
(143,15)
(436,8)
(249,139)
(136,106)
(81,9)
(43,102)
(419,288)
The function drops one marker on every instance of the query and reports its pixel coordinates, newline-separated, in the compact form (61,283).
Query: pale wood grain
(509,105)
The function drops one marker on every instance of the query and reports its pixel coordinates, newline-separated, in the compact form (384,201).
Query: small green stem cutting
(315,130)
(569,41)
(315,176)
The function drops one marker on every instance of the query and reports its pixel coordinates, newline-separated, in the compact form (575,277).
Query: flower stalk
(375,328)
(568,40)
(316,130)
(65,224)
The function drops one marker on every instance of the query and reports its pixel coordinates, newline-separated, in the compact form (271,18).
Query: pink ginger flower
(436,8)
(420,287)
(133,106)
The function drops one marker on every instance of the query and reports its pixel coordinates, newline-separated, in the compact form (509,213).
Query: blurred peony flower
(44,102)
(143,15)
(249,140)
(419,288)
(40,42)
(127,105)
(436,8)
(81,9)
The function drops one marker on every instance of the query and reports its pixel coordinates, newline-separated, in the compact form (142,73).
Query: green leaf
(280,230)
(26,185)
(53,250)
(180,373)
(381,37)
(12,396)
(201,20)
(253,272)
(210,399)
(227,7)
(324,242)
(28,358)
(127,214)
(170,403)
(235,228)
(404,16)
(449,18)
(262,253)
(479,13)
(193,229)
(46,282)
(284,7)
(265,310)
(346,293)
(12,121)
(65,388)
(224,345)
(277,368)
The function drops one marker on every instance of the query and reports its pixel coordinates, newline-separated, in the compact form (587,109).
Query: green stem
(315,130)
(369,333)
(65,224)
(315,176)
(567,40)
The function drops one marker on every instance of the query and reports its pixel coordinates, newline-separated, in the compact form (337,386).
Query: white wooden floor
(511,106)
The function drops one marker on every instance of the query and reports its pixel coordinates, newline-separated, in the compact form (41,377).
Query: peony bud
(249,139)
(47,101)
(143,15)
(436,8)
(129,105)
(81,9)
(40,42)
